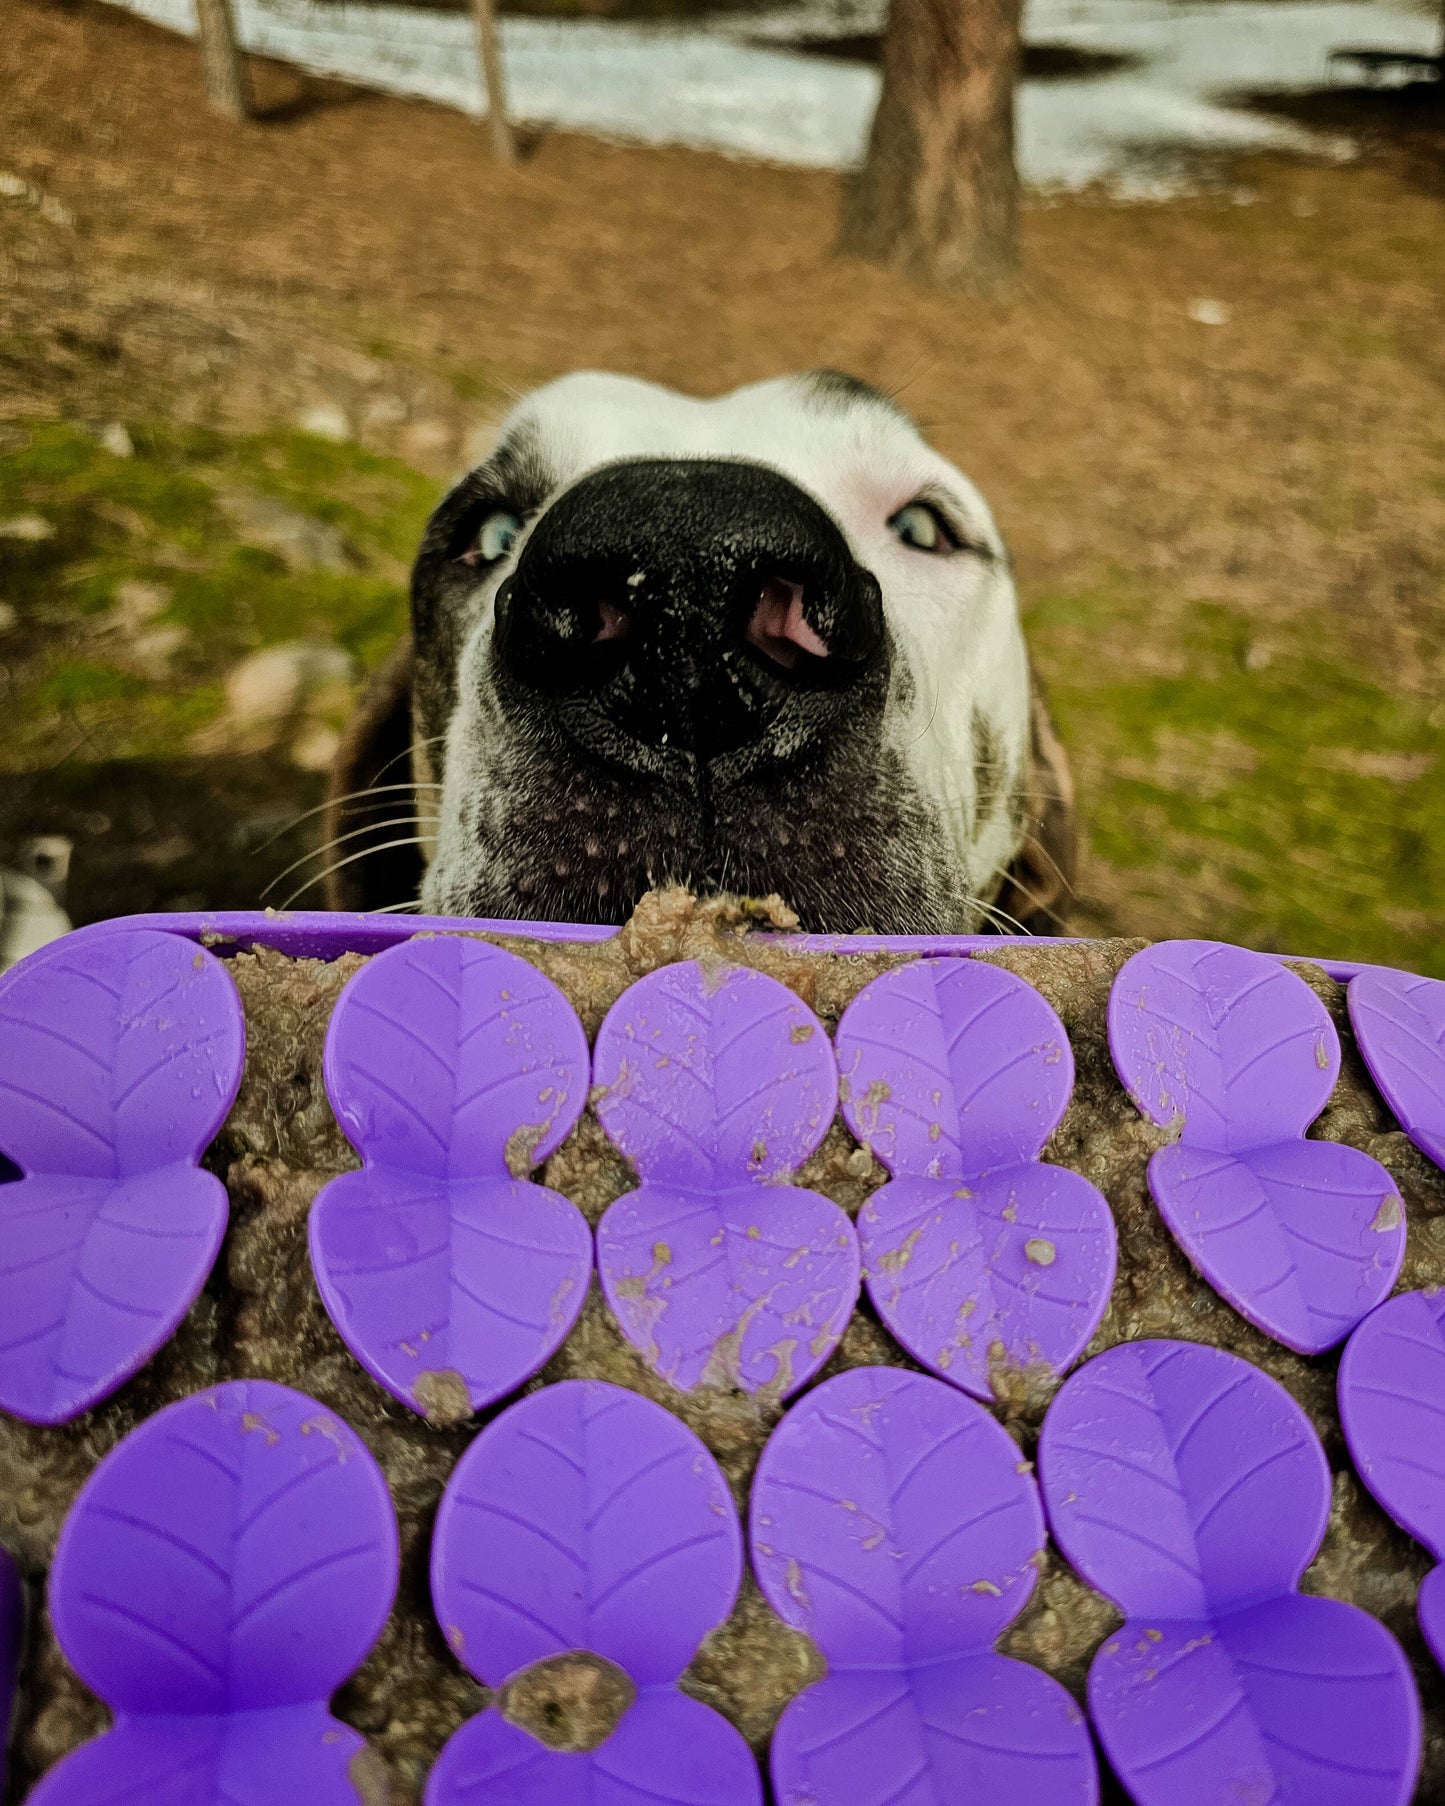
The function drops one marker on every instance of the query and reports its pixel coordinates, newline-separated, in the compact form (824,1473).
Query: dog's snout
(690,602)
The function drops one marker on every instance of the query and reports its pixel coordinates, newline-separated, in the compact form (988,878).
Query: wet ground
(1127,93)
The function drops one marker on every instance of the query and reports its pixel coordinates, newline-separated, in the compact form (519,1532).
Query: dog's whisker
(330,846)
(337,802)
(993,913)
(410,840)
(1032,839)
(406,752)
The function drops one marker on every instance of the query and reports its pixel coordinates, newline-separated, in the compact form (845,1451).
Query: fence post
(494,82)
(221,62)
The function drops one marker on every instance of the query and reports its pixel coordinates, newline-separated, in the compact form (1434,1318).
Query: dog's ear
(365,872)
(1038,888)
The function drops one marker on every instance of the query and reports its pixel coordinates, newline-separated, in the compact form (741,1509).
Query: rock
(29,918)
(46,859)
(31,528)
(301,541)
(327,420)
(316,749)
(261,1316)
(426,438)
(385,410)
(117,441)
(153,651)
(136,603)
(277,687)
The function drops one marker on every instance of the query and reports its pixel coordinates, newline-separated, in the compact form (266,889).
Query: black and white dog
(767,643)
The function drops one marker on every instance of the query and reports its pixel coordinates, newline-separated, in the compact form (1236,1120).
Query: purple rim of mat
(119,1059)
(895,1522)
(222,1572)
(1399,1023)
(12,1638)
(1190,1488)
(976,1255)
(1392,1400)
(451,1065)
(327,934)
(1302,1237)
(718,1084)
(587,1518)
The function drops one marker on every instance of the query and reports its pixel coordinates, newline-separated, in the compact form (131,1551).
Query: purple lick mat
(1189,1487)
(1399,1022)
(451,1065)
(119,1058)
(894,1521)
(718,1084)
(976,1255)
(587,1518)
(223,1570)
(1392,1406)
(1303,1238)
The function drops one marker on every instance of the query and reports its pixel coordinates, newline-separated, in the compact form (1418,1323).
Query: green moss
(159,518)
(79,681)
(1296,806)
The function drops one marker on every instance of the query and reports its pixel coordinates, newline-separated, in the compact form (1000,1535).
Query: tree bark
(222,63)
(938,194)
(494,81)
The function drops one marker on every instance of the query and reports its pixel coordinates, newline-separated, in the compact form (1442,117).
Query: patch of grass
(1246,791)
(159,519)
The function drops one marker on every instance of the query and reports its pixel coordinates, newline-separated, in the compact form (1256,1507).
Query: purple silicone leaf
(1392,1409)
(447,1062)
(668,1750)
(1189,1487)
(1399,1022)
(450,1296)
(952,1067)
(710,1076)
(1181,1481)
(1302,1238)
(119,1058)
(1294,1702)
(894,1521)
(716,1084)
(1231,1044)
(1010,1270)
(749,1287)
(955,1073)
(236,1553)
(585,1518)
(977,1728)
(1430,1609)
(265,1758)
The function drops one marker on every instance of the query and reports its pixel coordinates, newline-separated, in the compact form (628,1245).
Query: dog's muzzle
(697,606)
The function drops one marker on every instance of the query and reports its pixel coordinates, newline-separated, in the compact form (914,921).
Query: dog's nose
(690,601)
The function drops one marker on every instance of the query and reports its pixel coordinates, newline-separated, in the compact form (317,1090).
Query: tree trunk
(938,194)
(221,61)
(494,81)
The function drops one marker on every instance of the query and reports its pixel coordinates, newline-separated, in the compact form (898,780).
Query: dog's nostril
(613,622)
(778,627)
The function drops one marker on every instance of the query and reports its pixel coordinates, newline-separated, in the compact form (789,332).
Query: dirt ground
(1230,538)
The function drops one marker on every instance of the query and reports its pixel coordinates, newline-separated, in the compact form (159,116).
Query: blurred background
(262,295)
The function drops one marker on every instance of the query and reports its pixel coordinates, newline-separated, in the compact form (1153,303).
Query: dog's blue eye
(920,526)
(497,536)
